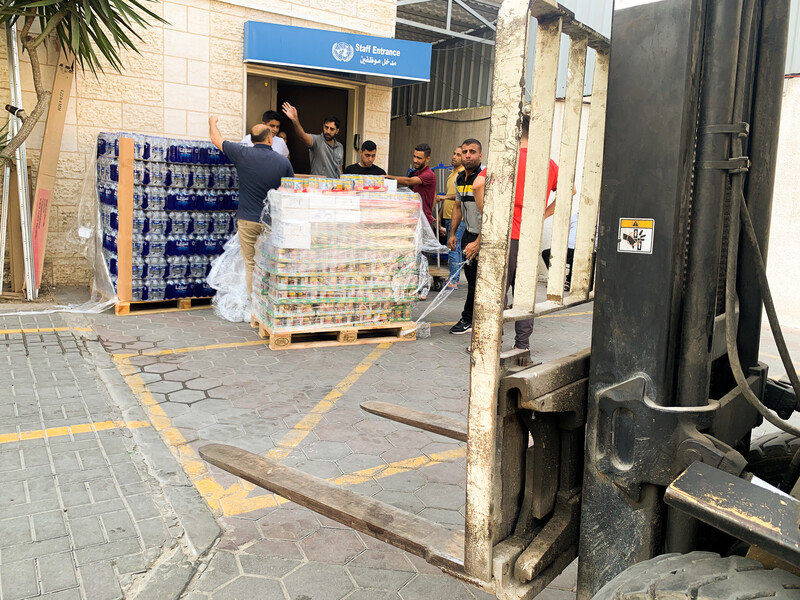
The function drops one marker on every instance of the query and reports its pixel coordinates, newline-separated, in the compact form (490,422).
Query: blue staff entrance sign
(267,43)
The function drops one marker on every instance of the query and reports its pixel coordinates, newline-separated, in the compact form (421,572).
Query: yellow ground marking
(239,502)
(299,432)
(560,315)
(194,466)
(233,500)
(158,311)
(401,466)
(44,330)
(233,508)
(38,434)
(166,351)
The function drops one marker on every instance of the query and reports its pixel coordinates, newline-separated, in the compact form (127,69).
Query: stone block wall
(184,71)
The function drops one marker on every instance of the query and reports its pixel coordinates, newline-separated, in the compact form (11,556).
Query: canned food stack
(184,200)
(336,259)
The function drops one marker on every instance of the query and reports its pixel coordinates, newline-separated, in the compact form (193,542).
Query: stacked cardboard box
(334,259)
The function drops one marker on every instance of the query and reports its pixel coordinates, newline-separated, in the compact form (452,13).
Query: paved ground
(125,504)
(84,515)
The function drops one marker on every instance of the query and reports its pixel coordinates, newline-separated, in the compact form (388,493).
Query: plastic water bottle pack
(184,200)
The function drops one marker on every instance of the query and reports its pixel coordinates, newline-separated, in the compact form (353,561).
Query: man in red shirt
(422,181)
(523,329)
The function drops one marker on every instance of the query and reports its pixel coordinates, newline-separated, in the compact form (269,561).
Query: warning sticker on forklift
(636,235)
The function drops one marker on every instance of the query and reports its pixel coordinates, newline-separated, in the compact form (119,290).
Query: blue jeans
(454,257)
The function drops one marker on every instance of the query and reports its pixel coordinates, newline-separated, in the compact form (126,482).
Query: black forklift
(634,456)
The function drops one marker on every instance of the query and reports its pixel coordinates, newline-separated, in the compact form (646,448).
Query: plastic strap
(741,129)
(732,165)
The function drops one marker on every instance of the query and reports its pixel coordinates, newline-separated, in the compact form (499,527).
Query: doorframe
(355,98)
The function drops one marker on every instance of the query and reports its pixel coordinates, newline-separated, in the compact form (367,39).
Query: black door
(313,103)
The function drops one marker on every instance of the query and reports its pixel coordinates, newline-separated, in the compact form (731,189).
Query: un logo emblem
(342,51)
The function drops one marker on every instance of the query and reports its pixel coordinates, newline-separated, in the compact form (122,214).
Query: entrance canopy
(441,21)
(400,61)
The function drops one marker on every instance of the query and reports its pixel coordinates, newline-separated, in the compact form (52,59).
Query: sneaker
(461,327)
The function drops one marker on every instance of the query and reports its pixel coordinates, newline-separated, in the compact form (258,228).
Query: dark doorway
(314,103)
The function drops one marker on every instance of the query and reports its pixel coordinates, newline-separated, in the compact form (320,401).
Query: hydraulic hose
(741,216)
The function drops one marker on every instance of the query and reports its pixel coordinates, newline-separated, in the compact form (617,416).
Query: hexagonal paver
(275,549)
(359,462)
(186,396)
(444,516)
(425,587)
(260,426)
(212,406)
(193,420)
(409,439)
(237,416)
(288,524)
(160,368)
(318,581)
(174,409)
(228,391)
(368,594)
(203,383)
(223,434)
(180,375)
(244,587)
(380,555)
(142,361)
(248,401)
(324,469)
(165,387)
(455,473)
(267,566)
(380,579)
(220,570)
(336,433)
(198,366)
(399,454)
(442,495)
(326,450)
(336,546)
(369,444)
(404,500)
(376,426)
(409,481)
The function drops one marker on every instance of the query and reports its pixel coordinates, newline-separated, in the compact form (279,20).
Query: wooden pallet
(343,335)
(147,306)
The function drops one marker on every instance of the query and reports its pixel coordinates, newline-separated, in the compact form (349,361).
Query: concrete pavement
(107,497)
(93,503)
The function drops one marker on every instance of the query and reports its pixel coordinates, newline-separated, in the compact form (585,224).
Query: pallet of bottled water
(185,194)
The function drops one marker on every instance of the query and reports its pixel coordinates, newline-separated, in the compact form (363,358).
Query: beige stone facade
(186,70)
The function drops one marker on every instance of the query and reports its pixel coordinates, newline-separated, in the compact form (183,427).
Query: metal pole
(763,151)
(706,213)
(22,164)
(4,211)
(503,147)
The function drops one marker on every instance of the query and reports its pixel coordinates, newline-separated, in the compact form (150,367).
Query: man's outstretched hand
(290,111)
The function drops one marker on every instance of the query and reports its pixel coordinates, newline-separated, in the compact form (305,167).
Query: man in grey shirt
(327,155)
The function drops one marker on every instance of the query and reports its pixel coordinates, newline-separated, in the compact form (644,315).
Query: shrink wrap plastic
(332,259)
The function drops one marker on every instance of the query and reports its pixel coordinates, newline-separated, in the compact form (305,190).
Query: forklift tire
(770,455)
(700,576)
(437,285)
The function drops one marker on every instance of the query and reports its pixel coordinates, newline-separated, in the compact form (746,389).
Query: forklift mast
(636,446)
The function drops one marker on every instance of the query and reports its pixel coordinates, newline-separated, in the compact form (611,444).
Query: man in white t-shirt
(271,119)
